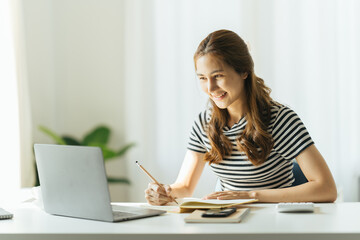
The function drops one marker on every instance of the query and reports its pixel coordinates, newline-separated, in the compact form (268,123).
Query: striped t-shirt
(236,172)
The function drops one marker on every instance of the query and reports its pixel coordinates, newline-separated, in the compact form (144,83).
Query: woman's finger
(225,195)
(234,195)
(157,188)
(153,194)
(158,194)
(157,200)
(167,189)
(213,195)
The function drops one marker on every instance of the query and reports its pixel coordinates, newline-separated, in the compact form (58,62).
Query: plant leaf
(107,153)
(118,180)
(53,135)
(99,135)
(124,149)
(71,141)
(110,154)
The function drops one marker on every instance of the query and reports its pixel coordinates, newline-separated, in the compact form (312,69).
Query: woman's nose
(211,85)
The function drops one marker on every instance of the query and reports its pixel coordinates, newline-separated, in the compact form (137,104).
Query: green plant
(98,137)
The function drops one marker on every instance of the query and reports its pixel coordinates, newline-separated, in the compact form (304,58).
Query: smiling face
(221,83)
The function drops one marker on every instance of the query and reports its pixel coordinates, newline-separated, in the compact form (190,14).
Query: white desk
(339,221)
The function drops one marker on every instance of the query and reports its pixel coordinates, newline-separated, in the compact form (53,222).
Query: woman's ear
(244,75)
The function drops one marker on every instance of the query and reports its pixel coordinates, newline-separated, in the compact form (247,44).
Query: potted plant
(98,137)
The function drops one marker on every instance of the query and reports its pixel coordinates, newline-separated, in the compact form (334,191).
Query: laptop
(73,183)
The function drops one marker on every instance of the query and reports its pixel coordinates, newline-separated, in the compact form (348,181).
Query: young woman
(249,140)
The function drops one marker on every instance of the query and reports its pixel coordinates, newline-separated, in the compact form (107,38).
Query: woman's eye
(202,78)
(218,76)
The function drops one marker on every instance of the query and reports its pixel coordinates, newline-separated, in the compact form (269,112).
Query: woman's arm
(189,175)
(184,185)
(320,188)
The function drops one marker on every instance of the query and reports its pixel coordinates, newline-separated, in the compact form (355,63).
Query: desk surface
(329,221)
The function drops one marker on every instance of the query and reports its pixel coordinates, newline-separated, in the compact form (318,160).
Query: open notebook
(186,205)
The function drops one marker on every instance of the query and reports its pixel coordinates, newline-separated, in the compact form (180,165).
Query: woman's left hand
(226,195)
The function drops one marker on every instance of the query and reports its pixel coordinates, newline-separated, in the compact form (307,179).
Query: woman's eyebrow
(215,71)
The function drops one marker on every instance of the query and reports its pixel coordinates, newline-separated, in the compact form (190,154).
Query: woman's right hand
(158,194)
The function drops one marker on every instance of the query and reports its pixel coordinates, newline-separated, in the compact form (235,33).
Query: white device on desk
(295,207)
(73,183)
(5,214)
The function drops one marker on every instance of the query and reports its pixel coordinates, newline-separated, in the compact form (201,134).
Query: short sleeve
(197,134)
(290,134)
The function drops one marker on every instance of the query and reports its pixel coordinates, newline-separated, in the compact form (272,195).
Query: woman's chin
(221,106)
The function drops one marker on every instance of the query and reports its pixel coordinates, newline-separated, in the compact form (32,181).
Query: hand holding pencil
(156,193)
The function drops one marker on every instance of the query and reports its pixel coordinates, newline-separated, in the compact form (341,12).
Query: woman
(248,139)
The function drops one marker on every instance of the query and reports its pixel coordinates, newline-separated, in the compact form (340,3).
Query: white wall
(75,61)
(129,64)
(9,123)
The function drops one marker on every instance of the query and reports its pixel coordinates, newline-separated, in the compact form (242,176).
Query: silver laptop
(74,184)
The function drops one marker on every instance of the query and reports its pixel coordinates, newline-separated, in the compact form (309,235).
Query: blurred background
(72,65)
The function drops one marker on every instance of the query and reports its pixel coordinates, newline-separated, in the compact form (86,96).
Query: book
(196,217)
(187,205)
(5,214)
(191,204)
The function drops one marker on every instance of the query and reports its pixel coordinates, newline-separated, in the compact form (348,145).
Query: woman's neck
(236,113)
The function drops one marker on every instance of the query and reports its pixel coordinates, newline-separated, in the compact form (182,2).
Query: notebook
(73,183)
(187,205)
(190,204)
(5,214)
(195,217)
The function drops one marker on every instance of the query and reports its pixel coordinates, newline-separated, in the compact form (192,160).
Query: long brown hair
(255,140)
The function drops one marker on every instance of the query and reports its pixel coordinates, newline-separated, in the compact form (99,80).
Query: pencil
(152,178)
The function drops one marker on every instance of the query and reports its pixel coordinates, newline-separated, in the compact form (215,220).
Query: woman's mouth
(219,96)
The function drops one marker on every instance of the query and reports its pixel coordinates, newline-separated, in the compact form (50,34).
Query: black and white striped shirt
(236,172)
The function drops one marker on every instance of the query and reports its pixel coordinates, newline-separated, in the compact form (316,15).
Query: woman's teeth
(219,96)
